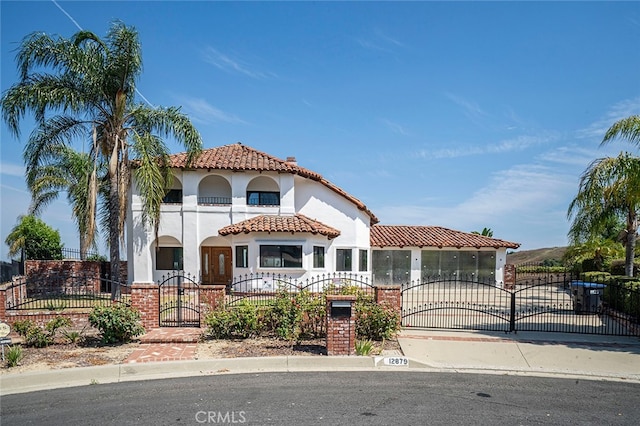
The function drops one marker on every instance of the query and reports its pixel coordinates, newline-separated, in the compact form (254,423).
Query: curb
(84,376)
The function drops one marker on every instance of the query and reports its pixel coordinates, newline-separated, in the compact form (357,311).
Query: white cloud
(395,127)
(10,169)
(620,110)
(203,112)
(526,204)
(231,64)
(519,143)
(379,41)
(471,109)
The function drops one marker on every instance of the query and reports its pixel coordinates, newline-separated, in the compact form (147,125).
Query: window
(242,256)
(169,259)
(391,266)
(467,265)
(272,256)
(318,257)
(263,198)
(363,260)
(173,196)
(343,260)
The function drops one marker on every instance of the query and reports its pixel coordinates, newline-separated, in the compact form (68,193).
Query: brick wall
(79,320)
(211,296)
(341,331)
(389,295)
(40,269)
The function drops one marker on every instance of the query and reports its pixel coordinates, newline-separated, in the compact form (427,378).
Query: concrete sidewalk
(535,354)
(572,355)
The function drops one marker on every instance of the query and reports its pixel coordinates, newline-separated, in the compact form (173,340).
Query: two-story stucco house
(238,211)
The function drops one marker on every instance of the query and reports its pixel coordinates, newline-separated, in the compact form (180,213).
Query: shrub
(72,336)
(116,323)
(617,267)
(35,335)
(376,322)
(286,315)
(242,321)
(14,355)
(623,295)
(595,276)
(364,347)
(314,311)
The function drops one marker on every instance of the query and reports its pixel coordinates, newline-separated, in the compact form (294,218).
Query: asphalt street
(353,398)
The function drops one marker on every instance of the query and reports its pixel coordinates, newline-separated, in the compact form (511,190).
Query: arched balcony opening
(214,191)
(174,193)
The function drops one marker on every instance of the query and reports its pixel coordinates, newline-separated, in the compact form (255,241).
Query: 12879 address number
(396,361)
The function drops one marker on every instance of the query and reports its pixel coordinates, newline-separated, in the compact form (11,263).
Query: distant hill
(537,255)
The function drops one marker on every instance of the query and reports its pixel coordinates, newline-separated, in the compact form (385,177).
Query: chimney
(292,160)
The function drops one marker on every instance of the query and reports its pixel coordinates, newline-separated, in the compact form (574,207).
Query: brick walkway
(166,344)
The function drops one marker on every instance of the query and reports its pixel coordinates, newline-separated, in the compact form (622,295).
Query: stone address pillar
(341,325)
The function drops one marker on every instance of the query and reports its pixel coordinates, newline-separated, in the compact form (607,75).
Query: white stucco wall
(196,225)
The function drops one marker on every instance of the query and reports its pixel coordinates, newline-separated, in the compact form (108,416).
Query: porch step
(172,335)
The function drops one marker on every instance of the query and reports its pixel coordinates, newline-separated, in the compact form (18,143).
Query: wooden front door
(216,265)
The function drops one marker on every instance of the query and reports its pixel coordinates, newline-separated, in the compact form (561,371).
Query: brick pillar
(211,297)
(341,329)
(509,276)
(145,297)
(389,295)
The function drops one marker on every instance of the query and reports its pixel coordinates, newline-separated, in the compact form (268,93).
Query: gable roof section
(431,236)
(273,223)
(238,157)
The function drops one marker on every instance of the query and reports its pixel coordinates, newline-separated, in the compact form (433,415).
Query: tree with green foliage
(84,88)
(597,251)
(609,188)
(486,232)
(64,169)
(628,129)
(35,239)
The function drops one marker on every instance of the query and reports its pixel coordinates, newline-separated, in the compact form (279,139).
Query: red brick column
(509,276)
(389,295)
(341,330)
(145,297)
(211,297)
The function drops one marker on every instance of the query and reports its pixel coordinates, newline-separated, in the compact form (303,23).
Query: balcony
(214,201)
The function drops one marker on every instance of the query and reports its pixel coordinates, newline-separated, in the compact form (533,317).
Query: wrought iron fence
(214,201)
(548,303)
(262,288)
(62,292)
(179,300)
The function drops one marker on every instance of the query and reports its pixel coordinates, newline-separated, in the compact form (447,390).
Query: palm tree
(486,232)
(88,86)
(627,128)
(64,169)
(609,187)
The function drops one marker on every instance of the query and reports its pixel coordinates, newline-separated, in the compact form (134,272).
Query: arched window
(263,191)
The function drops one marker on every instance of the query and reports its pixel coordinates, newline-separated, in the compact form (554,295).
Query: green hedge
(293,316)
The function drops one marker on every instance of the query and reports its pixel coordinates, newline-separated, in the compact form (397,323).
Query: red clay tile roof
(272,223)
(431,236)
(238,157)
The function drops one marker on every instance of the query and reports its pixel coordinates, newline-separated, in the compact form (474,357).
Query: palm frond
(627,128)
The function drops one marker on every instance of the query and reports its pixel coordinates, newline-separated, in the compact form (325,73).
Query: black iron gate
(179,301)
(553,303)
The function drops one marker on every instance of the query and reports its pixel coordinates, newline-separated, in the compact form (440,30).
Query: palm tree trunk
(630,245)
(114,227)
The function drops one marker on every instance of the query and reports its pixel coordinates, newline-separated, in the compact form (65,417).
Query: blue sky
(463,115)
